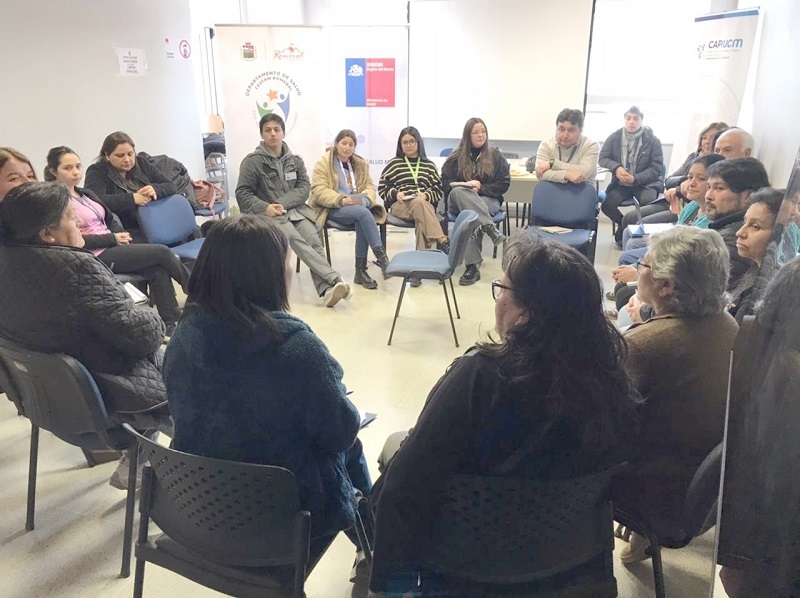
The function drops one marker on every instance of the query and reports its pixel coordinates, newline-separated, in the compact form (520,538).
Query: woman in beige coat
(343,192)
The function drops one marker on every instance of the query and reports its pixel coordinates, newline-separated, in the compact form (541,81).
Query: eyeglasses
(641,264)
(407,143)
(496,284)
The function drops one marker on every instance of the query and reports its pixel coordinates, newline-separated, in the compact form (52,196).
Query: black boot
(361,276)
(471,275)
(382,261)
(495,235)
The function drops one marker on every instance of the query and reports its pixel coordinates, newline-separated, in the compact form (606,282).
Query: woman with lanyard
(411,188)
(111,244)
(343,191)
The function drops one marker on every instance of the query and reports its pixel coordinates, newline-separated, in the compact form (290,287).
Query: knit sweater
(583,159)
(247,398)
(397,177)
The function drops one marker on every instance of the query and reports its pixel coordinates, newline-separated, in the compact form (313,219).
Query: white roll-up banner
(724,45)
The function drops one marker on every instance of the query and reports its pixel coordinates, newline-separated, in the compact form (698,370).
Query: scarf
(631,146)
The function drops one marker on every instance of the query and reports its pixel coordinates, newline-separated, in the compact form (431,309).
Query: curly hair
(567,344)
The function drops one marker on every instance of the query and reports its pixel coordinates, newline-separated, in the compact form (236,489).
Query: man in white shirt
(569,157)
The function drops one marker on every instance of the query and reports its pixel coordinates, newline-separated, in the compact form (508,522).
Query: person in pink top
(112,245)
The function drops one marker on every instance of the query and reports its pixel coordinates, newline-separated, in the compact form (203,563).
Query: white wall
(514,63)
(776,125)
(61,84)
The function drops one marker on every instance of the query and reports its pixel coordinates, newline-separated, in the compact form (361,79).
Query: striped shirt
(397,177)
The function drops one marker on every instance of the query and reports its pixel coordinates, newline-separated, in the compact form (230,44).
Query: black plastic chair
(58,394)
(236,528)
(697,516)
(528,537)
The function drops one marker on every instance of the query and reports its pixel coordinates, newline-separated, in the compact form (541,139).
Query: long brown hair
(467,167)
(111,142)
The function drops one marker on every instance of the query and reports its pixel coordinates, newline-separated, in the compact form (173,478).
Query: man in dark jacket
(633,155)
(274,181)
(730,183)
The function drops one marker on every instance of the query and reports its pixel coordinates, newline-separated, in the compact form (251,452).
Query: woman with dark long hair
(411,189)
(250,382)
(474,177)
(124,182)
(342,191)
(554,370)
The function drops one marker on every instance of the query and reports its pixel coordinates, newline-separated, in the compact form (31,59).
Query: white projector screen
(514,63)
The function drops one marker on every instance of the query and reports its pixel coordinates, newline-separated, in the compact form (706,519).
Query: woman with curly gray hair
(678,360)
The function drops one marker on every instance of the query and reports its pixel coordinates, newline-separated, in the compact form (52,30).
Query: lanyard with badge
(414,172)
(349,175)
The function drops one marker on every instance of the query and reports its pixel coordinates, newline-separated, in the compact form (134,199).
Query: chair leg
(658,570)
(298,266)
(362,534)
(397,309)
(130,505)
(34,459)
(449,312)
(453,291)
(382,231)
(327,243)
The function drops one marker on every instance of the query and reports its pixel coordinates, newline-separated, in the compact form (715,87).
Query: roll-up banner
(368,89)
(266,69)
(724,70)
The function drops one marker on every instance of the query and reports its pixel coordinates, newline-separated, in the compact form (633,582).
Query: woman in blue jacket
(249,382)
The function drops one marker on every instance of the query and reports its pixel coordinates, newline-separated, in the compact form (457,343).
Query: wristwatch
(552,162)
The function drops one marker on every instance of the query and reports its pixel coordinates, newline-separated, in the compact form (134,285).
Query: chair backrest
(465,225)
(564,204)
(167,221)
(230,512)
(216,168)
(57,393)
(512,530)
(446,152)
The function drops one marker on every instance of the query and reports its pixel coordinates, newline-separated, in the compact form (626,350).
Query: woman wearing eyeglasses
(678,360)
(503,394)
(411,188)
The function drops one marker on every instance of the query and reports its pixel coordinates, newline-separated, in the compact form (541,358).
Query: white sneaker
(349,294)
(335,294)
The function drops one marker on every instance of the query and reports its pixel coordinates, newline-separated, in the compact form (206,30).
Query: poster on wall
(723,47)
(368,85)
(263,70)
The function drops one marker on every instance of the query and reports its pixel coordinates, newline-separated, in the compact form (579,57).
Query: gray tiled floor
(75,549)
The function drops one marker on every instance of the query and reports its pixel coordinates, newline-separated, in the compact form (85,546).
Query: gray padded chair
(57,393)
(696,517)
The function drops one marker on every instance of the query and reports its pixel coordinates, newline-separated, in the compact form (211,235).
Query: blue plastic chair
(570,206)
(445,152)
(434,264)
(170,221)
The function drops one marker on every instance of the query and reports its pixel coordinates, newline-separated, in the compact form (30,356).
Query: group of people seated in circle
(340,192)
(243,379)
